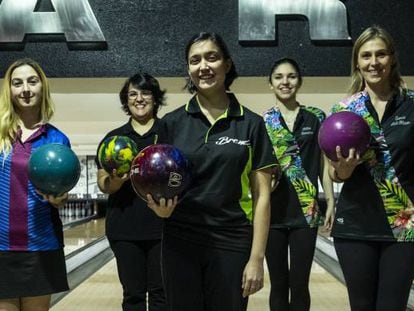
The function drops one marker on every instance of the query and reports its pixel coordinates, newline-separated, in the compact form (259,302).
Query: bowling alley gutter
(84,262)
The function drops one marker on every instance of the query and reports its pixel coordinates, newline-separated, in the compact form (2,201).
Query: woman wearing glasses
(133,230)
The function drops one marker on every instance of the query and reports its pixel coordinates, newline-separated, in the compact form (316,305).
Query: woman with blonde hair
(374,226)
(32,263)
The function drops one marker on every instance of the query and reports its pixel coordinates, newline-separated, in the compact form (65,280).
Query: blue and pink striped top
(27,222)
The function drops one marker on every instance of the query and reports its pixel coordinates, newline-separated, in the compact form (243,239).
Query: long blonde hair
(373,32)
(9,118)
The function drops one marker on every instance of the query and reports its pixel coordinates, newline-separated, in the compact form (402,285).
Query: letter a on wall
(72,18)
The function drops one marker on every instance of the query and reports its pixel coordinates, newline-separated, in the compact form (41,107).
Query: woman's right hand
(164,208)
(329,219)
(118,179)
(345,166)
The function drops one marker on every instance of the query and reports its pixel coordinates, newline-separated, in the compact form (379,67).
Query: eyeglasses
(145,94)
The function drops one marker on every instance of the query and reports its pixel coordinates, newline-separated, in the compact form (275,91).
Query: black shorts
(28,274)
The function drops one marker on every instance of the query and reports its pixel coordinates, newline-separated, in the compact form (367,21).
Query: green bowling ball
(54,169)
(117,153)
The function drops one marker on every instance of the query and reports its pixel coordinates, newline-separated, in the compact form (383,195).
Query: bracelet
(339,178)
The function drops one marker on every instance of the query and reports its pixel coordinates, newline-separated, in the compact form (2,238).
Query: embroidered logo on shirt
(227,140)
(340,221)
(307,131)
(400,121)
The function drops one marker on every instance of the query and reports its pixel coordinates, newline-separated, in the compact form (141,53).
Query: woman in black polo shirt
(214,239)
(133,230)
(293,131)
(373,230)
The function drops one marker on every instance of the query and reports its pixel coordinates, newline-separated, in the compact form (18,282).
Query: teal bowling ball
(54,169)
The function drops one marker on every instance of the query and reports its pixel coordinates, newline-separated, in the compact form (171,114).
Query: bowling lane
(83,234)
(327,293)
(102,291)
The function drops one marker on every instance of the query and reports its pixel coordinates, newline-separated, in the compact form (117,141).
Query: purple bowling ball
(160,170)
(345,129)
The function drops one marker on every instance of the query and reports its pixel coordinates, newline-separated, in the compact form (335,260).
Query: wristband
(339,178)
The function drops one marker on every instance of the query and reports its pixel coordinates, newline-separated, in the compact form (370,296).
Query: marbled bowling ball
(161,170)
(117,153)
(344,129)
(54,169)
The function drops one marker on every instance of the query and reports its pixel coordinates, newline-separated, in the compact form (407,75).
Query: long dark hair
(286,60)
(218,40)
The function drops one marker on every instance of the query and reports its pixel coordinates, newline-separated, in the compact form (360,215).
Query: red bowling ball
(344,129)
(160,170)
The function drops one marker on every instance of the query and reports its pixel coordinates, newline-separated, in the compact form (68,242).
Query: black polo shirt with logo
(375,203)
(128,217)
(217,209)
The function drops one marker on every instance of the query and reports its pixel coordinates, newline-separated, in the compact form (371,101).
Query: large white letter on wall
(73,18)
(327,18)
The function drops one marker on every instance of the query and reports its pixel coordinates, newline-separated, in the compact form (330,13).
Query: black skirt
(28,274)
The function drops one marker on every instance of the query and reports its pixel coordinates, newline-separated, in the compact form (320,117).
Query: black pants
(289,272)
(199,278)
(139,270)
(378,274)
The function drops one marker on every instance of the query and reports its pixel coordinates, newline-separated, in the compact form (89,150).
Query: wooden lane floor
(83,234)
(102,291)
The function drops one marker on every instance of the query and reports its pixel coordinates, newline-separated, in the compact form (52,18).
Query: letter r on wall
(327,18)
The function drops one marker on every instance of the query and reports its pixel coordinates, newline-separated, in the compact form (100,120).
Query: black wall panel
(151,35)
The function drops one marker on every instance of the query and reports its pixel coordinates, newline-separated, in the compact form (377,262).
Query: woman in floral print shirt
(373,230)
(295,217)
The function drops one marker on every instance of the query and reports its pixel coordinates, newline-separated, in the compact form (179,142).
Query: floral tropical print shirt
(375,203)
(294,201)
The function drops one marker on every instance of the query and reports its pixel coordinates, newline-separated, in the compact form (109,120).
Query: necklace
(290,120)
(289,112)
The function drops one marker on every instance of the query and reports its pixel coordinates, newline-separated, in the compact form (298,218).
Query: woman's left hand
(56,201)
(164,208)
(253,277)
